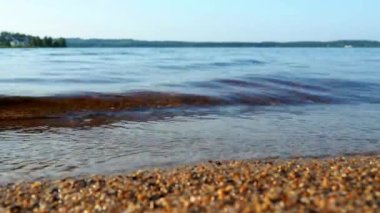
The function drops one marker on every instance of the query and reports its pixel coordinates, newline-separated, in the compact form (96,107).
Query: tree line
(8,39)
(76,42)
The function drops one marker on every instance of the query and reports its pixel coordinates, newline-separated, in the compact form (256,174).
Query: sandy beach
(329,184)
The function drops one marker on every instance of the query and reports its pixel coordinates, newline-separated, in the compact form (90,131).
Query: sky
(195,20)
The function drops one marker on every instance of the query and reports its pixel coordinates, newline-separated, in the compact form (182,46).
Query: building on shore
(16,43)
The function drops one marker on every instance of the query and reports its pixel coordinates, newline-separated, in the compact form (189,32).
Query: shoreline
(346,183)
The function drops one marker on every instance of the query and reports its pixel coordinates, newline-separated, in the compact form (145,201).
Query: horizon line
(224,41)
(194,41)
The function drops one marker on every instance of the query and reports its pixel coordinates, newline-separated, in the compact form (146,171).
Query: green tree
(5,44)
(61,42)
(47,42)
(30,41)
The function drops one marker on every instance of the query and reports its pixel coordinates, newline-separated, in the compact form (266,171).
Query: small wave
(50,107)
(65,61)
(240,83)
(21,80)
(100,109)
(249,61)
(240,62)
(63,80)
(14,108)
(294,84)
(26,108)
(221,64)
(89,53)
(59,54)
(251,91)
(267,84)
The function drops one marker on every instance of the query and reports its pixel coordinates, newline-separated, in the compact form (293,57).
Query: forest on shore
(8,40)
(77,42)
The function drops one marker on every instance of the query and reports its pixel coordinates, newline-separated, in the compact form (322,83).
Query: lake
(73,111)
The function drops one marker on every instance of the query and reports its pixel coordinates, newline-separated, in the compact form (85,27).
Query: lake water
(68,112)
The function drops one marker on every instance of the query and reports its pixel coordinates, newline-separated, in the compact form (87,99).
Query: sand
(330,184)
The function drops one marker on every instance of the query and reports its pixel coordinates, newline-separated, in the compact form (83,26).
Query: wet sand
(330,184)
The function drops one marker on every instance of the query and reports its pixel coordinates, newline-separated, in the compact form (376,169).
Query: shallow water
(66,112)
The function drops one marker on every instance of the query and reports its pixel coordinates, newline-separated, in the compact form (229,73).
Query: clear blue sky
(195,20)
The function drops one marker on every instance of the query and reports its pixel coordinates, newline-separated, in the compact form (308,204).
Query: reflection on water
(79,111)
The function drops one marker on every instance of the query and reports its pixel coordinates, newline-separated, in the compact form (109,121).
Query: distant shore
(17,40)
(332,184)
(77,42)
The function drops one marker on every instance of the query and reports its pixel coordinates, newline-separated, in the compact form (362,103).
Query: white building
(16,43)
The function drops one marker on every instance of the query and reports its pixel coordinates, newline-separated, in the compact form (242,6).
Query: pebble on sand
(333,184)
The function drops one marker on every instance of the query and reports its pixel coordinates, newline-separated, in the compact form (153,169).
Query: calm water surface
(67,112)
